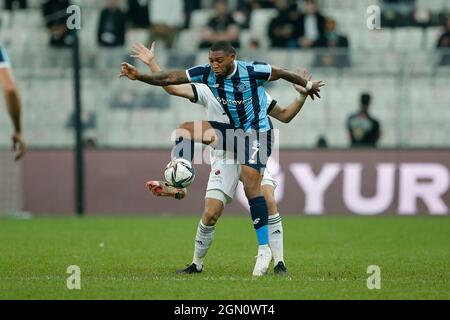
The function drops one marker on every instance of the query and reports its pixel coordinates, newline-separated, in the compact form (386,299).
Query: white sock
(276,238)
(203,240)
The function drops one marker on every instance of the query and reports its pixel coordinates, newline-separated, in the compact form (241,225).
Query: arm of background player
(279,73)
(160,79)
(148,57)
(14,110)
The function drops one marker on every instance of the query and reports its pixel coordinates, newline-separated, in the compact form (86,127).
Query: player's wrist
(149,61)
(309,85)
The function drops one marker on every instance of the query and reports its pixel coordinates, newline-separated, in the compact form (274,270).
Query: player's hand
(142,53)
(316,89)
(306,75)
(129,71)
(18,145)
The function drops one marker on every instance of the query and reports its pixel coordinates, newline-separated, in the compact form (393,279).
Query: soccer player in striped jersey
(239,88)
(224,176)
(13,104)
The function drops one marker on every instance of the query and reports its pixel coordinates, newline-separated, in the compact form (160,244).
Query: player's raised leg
(205,234)
(275,228)
(186,135)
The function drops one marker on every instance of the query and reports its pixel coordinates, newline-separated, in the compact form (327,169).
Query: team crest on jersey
(240,86)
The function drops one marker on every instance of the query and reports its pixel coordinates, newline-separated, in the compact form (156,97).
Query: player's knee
(210,216)
(10,90)
(186,126)
(185,130)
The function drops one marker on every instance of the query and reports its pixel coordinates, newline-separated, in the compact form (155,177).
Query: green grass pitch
(136,258)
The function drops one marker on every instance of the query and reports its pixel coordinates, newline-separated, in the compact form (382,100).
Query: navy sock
(184,148)
(260,217)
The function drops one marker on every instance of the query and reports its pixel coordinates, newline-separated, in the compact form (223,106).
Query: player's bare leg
(275,230)
(251,179)
(205,234)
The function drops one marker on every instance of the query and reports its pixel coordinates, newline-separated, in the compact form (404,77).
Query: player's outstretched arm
(313,87)
(160,79)
(148,57)
(286,115)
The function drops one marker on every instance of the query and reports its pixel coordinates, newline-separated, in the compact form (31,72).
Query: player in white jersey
(13,104)
(225,172)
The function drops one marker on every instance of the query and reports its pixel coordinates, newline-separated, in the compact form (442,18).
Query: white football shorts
(224,178)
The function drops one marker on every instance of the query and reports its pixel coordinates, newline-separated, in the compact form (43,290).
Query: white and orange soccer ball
(179,173)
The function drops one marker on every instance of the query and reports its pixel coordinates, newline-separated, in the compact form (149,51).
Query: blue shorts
(251,149)
(4,60)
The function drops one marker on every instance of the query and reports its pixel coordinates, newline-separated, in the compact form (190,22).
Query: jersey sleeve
(198,74)
(262,71)
(200,94)
(270,102)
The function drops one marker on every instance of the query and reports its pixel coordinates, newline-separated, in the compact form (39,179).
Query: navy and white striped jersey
(241,94)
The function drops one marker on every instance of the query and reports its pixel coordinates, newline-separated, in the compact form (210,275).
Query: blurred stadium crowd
(404,65)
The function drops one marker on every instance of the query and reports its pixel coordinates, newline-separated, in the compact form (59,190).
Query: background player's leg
(205,232)
(275,229)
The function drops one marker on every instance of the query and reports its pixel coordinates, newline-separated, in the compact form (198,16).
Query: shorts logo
(256,221)
(217,173)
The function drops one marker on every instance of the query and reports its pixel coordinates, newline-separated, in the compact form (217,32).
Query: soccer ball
(179,173)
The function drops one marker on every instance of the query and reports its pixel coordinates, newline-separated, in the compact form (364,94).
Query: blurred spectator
(364,130)
(244,8)
(322,142)
(222,27)
(262,4)
(88,120)
(312,25)
(111,27)
(9,4)
(166,19)
(90,143)
(55,15)
(284,29)
(444,43)
(138,14)
(332,39)
(189,6)
(397,13)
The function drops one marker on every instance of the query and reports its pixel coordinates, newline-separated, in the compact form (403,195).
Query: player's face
(221,63)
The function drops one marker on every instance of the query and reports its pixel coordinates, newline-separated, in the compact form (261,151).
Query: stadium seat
(432,5)
(188,40)
(432,35)
(376,39)
(259,24)
(408,38)
(200,18)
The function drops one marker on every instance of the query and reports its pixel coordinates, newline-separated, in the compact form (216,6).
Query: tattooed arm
(161,79)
